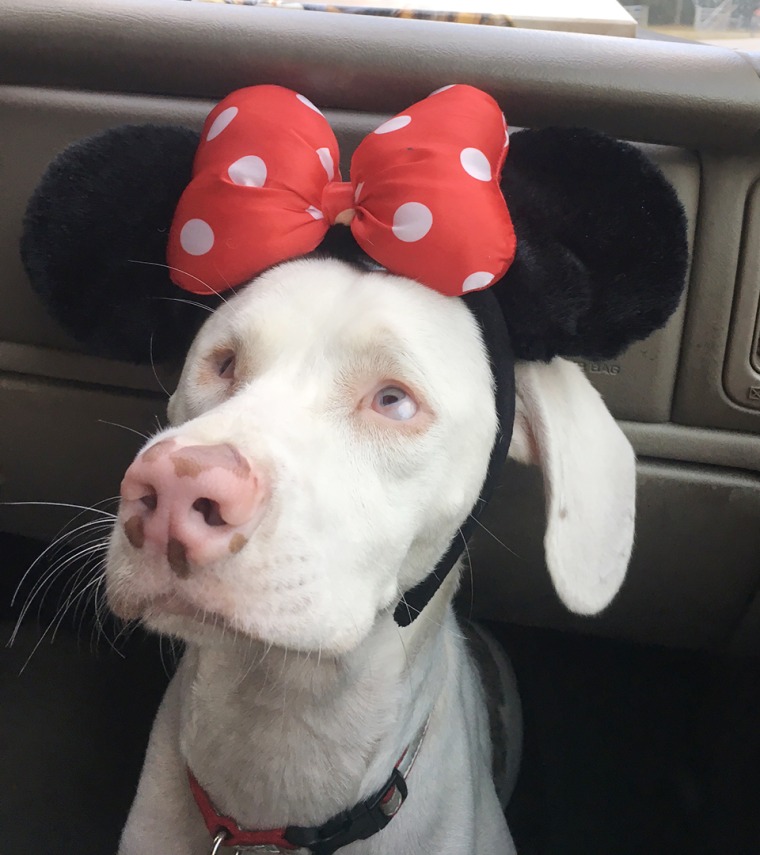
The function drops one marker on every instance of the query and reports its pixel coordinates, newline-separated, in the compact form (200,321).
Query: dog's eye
(226,365)
(395,403)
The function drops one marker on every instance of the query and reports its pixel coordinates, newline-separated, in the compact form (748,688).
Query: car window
(724,23)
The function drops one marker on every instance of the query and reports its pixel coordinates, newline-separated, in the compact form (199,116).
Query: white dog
(335,433)
(330,434)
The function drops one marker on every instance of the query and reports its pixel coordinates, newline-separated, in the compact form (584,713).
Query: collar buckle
(359,823)
(394,796)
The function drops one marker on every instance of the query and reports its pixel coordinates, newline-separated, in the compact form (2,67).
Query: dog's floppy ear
(94,242)
(589,469)
(601,245)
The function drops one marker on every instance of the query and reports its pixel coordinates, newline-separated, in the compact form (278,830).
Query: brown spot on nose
(186,467)
(190,461)
(176,553)
(155,451)
(237,542)
(135,531)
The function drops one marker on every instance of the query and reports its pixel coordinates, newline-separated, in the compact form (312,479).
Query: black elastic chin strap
(485,307)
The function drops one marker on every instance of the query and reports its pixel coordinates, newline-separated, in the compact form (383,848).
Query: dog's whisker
(153,367)
(245,667)
(420,614)
(74,600)
(489,532)
(49,577)
(256,661)
(161,640)
(50,549)
(45,632)
(97,571)
(208,309)
(127,629)
(177,270)
(92,508)
(88,560)
(468,562)
(91,562)
(64,533)
(125,427)
(226,282)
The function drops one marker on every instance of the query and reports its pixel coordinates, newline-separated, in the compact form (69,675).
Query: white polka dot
(221,122)
(249,171)
(443,89)
(476,281)
(315,212)
(412,221)
(394,124)
(475,163)
(196,237)
(359,188)
(304,100)
(326,159)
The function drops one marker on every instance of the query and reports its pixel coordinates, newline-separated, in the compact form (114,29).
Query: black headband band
(485,307)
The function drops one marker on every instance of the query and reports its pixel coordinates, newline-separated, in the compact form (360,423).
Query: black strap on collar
(357,823)
(485,307)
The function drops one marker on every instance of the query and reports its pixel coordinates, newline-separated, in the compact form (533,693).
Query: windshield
(727,23)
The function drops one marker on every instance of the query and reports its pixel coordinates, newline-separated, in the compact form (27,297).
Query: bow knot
(424,199)
(338,202)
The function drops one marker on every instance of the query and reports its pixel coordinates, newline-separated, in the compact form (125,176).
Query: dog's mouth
(176,605)
(153,610)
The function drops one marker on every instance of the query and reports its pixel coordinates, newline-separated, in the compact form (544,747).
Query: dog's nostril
(209,509)
(150,500)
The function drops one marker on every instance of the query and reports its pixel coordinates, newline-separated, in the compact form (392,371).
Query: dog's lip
(174,604)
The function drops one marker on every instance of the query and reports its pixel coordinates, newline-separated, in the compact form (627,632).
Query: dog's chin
(176,616)
(207,629)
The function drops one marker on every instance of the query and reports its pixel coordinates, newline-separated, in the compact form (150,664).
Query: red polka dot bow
(423,200)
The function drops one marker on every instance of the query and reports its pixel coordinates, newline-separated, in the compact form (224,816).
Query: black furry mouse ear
(601,245)
(94,242)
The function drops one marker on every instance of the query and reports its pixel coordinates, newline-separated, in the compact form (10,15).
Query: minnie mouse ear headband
(596,258)
(601,242)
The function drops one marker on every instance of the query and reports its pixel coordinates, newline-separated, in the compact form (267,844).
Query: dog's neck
(279,737)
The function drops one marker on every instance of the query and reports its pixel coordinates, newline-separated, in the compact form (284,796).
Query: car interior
(642,724)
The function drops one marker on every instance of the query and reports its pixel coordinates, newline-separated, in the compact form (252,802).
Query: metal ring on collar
(218,841)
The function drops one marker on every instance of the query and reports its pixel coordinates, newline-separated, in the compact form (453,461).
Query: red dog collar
(358,823)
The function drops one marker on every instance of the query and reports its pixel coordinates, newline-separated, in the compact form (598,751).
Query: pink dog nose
(194,503)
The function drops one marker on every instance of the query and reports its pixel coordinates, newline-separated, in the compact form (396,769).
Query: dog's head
(335,424)
(337,445)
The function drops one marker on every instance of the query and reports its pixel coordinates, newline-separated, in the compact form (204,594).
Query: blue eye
(394,403)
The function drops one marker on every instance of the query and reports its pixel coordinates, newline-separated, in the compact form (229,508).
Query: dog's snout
(193,503)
